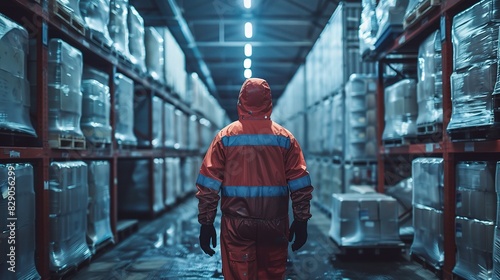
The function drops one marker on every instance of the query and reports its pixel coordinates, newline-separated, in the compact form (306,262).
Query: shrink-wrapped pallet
(124,110)
(368,28)
(474,256)
(148,121)
(14,86)
(96,106)
(390,13)
(428,240)
(400,110)
(181,136)
(427,174)
(170,128)
(175,64)
(159,182)
(170,182)
(472,102)
(64,87)
(136,38)
(73,6)
(364,219)
(206,134)
(17,181)
(496,241)
(177,180)
(155,56)
(69,198)
(429,85)
(337,123)
(98,218)
(118,28)
(194,133)
(412,5)
(95,14)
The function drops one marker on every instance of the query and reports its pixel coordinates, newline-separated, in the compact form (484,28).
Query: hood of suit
(255,101)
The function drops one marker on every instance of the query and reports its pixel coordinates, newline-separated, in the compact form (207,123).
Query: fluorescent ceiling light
(248,73)
(247,3)
(248,30)
(248,50)
(247,63)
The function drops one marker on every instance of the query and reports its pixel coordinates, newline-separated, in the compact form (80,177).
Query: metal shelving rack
(42,25)
(407,43)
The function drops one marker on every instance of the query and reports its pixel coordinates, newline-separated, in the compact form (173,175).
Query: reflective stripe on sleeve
(254,191)
(299,183)
(208,182)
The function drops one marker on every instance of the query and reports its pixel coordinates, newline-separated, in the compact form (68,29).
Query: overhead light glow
(247,63)
(194,75)
(248,73)
(248,30)
(247,3)
(248,50)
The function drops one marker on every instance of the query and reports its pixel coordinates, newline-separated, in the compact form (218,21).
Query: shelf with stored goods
(462,54)
(90,113)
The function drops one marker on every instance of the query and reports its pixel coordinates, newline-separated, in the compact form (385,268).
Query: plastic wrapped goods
(427,174)
(170,128)
(170,182)
(154,53)
(175,65)
(96,105)
(429,86)
(400,110)
(472,103)
(14,86)
(482,13)
(412,5)
(69,198)
(124,110)
(390,13)
(98,218)
(194,133)
(118,28)
(182,130)
(146,109)
(95,14)
(364,219)
(65,96)
(23,191)
(73,6)
(136,38)
(428,240)
(474,240)
(159,181)
(368,29)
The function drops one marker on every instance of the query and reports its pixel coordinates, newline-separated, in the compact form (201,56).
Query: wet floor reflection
(167,248)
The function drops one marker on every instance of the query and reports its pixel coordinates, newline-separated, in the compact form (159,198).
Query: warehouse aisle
(167,248)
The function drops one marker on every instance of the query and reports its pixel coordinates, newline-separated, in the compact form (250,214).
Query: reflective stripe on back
(254,191)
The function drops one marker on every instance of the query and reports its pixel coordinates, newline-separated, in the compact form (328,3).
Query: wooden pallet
(67,16)
(429,128)
(420,11)
(402,141)
(97,39)
(67,142)
(427,265)
(487,132)
(70,270)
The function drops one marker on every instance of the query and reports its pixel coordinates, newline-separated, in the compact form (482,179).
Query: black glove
(207,232)
(300,230)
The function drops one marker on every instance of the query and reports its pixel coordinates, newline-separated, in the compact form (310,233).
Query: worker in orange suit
(254,164)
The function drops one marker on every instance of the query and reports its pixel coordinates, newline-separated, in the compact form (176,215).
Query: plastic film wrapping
(73,6)
(364,219)
(146,133)
(95,121)
(474,241)
(390,13)
(95,14)
(181,136)
(155,56)
(65,96)
(175,65)
(170,181)
(473,44)
(482,13)
(194,133)
(427,174)
(68,192)
(21,187)
(496,252)
(412,5)
(124,110)
(475,190)
(401,110)
(14,86)
(170,128)
(368,29)
(98,218)
(472,103)
(136,38)
(177,179)
(428,240)
(337,123)
(118,28)
(429,86)
(206,134)
(159,181)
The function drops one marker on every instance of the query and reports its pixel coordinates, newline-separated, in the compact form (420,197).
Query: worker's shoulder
(281,130)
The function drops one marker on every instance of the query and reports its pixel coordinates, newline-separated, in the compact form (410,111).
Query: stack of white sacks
(360,118)
(475,47)
(24,229)
(427,174)
(476,209)
(429,85)
(14,89)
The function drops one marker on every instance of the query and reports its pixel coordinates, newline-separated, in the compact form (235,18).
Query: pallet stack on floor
(92,128)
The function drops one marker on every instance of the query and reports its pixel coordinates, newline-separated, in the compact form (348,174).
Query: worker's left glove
(207,233)
(299,229)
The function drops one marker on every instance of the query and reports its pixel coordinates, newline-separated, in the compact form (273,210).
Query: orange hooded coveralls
(255,164)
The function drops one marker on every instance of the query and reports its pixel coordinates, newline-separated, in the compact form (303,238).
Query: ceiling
(212,35)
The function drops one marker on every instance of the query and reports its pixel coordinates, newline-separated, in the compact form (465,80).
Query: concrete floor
(167,248)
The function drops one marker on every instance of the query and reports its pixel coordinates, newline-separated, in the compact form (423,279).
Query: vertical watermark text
(11,218)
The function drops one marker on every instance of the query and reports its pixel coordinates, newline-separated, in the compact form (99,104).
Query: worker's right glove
(207,233)
(299,229)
